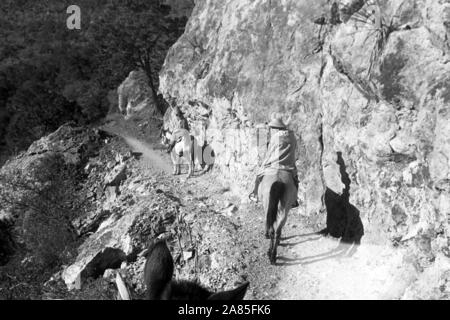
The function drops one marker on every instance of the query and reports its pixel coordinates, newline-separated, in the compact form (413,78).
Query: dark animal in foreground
(158,273)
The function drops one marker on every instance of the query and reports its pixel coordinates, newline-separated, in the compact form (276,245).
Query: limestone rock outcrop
(365,86)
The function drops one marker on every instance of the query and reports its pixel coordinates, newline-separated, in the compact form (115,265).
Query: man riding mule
(280,155)
(277,183)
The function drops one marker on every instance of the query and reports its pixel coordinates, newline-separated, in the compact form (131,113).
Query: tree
(50,74)
(139,32)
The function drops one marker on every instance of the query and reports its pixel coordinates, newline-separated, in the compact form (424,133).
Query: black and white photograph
(198,150)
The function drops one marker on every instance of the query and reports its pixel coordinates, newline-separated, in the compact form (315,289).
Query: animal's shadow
(293,244)
(343,218)
(298,236)
(341,251)
(343,221)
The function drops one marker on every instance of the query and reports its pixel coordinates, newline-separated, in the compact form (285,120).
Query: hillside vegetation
(50,74)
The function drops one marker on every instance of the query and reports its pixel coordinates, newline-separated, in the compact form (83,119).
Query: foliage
(138,32)
(6,241)
(379,21)
(50,74)
(21,279)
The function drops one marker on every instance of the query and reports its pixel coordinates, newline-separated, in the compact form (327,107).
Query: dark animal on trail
(158,273)
(278,193)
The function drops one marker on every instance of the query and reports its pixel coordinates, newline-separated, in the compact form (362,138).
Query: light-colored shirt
(281,152)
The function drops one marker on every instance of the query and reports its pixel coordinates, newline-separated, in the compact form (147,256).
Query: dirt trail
(150,155)
(309,266)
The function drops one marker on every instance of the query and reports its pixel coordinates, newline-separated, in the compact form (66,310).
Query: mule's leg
(273,252)
(274,233)
(278,227)
(281,220)
(267,233)
(203,167)
(206,168)
(179,160)
(189,173)
(175,163)
(273,248)
(190,164)
(276,242)
(270,234)
(191,168)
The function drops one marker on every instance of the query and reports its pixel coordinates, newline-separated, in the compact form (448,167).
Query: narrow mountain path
(151,158)
(309,266)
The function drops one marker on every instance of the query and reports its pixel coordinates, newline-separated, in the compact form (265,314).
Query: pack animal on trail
(278,193)
(186,149)
(158,273)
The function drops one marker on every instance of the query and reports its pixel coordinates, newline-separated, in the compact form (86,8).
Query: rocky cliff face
(365,85)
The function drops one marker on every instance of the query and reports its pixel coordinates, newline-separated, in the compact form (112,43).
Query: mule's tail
(276,192)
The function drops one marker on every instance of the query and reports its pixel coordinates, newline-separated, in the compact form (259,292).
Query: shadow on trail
(299,235)
(343,218)
(149,154)
(343,222)
(293,244)
(343,250)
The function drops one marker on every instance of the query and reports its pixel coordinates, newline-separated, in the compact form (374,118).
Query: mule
(158,273)
(278,193)
(187,149)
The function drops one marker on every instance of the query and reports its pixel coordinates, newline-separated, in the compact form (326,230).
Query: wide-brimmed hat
(277,124)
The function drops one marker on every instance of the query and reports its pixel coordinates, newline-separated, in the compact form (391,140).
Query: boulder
(117,175)
(119,238)
(135,94)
